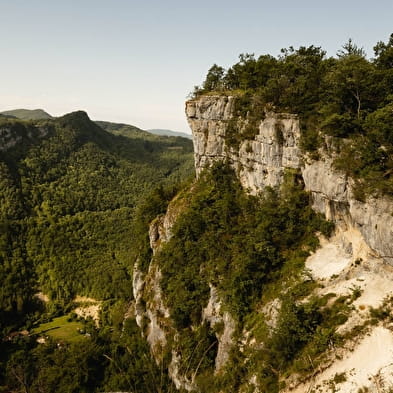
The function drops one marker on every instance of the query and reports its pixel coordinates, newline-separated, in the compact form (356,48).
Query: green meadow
(61,329)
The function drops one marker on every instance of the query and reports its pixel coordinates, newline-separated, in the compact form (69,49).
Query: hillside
(72,189)
(70,193)
(28,114)
(170,133)
(123,129)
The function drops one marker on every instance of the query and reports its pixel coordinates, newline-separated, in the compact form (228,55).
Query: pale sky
(136,61)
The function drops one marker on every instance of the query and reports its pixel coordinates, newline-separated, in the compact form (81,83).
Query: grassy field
(60,329)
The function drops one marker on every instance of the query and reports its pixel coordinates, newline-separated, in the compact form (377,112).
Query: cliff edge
(261,161)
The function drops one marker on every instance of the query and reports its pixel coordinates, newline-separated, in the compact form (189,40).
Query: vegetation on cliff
(257,236)
(347,98)
(247,247)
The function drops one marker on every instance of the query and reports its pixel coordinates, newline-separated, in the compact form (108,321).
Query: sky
(136,61)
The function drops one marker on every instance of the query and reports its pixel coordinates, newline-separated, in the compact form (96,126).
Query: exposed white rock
(151,315)
(259,162)
(178,378)
(327,261)
(374,220)
(333,196)
(150,312)
(369,365)
(320,178)
(271,310)
(156,312)
(138,284)
(214,315)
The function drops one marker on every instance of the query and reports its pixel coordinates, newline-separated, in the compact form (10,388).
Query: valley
(256,258)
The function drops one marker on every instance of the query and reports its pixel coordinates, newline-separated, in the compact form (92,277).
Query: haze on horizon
(136,62)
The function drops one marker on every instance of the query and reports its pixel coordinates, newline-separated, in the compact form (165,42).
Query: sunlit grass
(60,329)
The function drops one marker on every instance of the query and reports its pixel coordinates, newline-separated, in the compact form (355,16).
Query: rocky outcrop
(353,258)
(333,196)
(214,314)
(262,161)
(259,162)
(150,312)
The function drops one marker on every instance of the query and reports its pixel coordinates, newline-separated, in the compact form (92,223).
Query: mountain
(28,114)
(122,129)
(170,133)
(7,116)
(272,271)
(268,272)
(266,262)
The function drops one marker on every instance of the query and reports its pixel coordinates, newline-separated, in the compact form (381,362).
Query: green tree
(214,78)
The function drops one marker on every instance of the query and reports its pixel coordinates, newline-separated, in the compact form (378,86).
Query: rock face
(259,162)
(214,315)
(262,161)
(353,258)
(150,312)
(332,195)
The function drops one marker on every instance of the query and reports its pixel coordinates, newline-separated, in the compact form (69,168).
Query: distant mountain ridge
(127,130)
(27,114)
(123,129)
(164,132)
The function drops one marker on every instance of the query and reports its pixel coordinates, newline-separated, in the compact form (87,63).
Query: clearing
(61,329)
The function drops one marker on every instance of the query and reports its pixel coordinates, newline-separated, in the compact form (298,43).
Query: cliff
(311,325)
(262,161)
(355,257)
(259,162)
(154,318)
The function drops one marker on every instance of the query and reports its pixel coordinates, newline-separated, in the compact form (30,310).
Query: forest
(70,191)
(347,98)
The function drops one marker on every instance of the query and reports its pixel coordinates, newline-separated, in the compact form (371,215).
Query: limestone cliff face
(333,195)
(353,258)
(214,314)
(261,162)
(150,312)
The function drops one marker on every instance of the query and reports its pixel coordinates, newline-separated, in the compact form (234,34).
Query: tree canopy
(340,96)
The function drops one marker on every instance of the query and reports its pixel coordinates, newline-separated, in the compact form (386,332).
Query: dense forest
(347,98)
(70,192)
